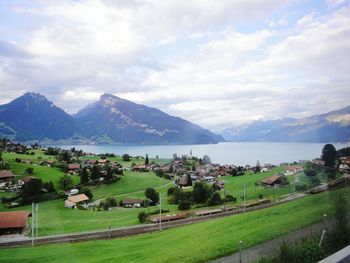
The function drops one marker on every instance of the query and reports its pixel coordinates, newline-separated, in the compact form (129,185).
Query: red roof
(16,219)
(6,174)
(73,166)
(271,180)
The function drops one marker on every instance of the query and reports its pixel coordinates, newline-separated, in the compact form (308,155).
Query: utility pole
(37,219)
(244,197)
(33,223)
(240,251)
(160,211)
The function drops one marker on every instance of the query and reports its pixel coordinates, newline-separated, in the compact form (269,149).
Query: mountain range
(32,117)
(333,126)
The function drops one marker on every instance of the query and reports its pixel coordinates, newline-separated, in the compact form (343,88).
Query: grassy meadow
(194,243)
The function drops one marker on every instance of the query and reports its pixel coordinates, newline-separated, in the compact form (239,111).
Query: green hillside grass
(193,243)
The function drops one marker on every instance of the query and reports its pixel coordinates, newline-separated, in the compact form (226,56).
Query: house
(14,222)
(47,163)
(139,168)
(290,170)
(102,161)
(26,161)
(271,181)
(318,161)
(92,162)
(136,203)
(73,166)
(75,200)
(6,176)
(184,181)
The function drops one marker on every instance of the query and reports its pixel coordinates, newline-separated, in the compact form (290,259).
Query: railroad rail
(131,230)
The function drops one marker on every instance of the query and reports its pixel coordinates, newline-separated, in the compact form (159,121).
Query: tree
(87,192)
(201,192)
(151,194)
(329,155)
(109,173)
(146,160)
(126,157)
(84,176)
(29,170)
(95,173)
(189,180)
(184,205)
(31,191)
(257,168)
(142,217)
(66,182)
(215,199)
(206,159)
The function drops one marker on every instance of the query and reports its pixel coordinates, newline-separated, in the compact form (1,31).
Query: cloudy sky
(216,63)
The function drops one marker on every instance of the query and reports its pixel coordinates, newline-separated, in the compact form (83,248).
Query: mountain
(33,117)
(112,119)
(333,126)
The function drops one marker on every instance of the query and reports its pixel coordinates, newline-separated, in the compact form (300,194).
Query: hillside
(32,117)
(333,126)
(118,120)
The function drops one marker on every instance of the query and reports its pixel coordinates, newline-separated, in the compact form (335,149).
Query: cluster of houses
(10,146)
(73,168)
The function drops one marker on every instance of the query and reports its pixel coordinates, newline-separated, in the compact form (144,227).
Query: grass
(129,183)
(55,219)
(46,173)
(193,243)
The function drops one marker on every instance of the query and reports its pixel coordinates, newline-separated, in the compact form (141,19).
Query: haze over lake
(238,153)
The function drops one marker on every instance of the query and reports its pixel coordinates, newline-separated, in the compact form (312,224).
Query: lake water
(238,153)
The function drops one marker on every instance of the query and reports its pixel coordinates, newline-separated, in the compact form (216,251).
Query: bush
(184,205)
(126,157)
(142,217)
(261,196)
(230,198)
(215,199)
(301,187)
(157,211)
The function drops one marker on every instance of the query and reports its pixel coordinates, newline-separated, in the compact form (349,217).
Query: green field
(130,182)
(194,243)
(55,219)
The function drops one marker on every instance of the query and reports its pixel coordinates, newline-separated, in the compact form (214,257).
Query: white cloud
(212,62)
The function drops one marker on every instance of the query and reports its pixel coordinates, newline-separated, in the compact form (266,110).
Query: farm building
(132,203)
(14,222)
(6,176)
(271,181)
(75,200)
(73,166)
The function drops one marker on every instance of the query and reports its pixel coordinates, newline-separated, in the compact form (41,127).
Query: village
(191,186)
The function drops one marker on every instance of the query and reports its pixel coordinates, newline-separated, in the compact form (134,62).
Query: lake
(238,153)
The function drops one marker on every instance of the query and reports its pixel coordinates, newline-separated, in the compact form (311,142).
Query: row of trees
(202,193)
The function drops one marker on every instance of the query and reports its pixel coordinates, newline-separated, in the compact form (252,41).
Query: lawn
(129,183)
(193,243)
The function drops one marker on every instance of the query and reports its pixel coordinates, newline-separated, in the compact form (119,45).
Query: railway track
(130,231)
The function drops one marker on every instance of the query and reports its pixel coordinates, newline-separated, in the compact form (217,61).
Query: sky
(215,63)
